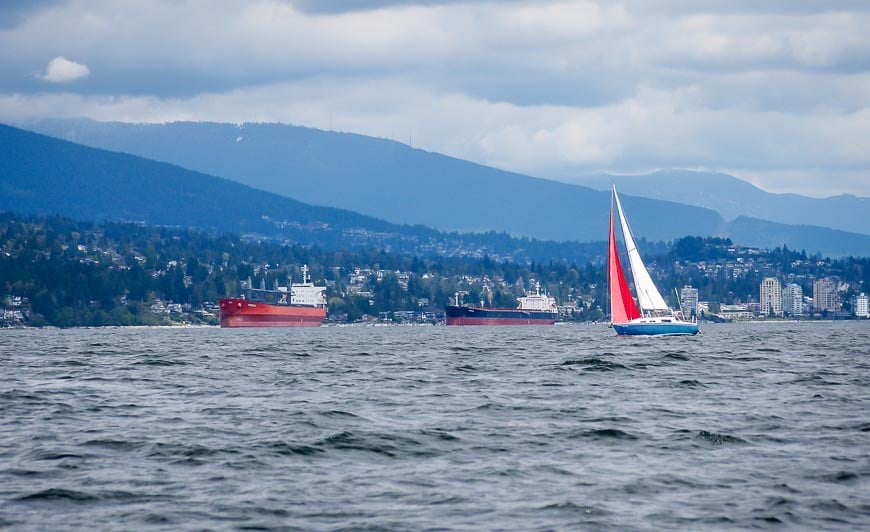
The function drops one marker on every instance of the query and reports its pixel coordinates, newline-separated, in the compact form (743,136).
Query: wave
(59,494)
(716,438)
(595,364)
(294,449)
(608,434)
(691,383)
(114,445)
(160,362)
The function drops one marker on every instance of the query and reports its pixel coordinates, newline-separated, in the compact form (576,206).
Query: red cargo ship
(303,305)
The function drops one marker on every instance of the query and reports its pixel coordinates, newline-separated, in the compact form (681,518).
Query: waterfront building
(793,300)
(689,300)
(771,297)
(825,295)
(735,312)
(862,306)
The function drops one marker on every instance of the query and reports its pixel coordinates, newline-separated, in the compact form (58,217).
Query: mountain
(764,234)
(385,179)
(44,175)
(368,172)
(733,198)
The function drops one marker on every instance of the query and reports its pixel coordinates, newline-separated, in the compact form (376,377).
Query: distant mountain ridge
(456,194)
(43,175)
(733,198)
(385,179)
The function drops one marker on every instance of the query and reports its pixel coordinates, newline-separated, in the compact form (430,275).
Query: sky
(774,92)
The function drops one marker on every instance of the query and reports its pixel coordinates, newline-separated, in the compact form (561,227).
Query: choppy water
(750,425)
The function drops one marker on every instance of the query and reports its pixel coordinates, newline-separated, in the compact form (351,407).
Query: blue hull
(656,329)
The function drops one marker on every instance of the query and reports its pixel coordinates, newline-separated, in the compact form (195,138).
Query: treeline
(88,274)
(74,273)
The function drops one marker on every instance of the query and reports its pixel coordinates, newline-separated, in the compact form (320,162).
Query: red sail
(622,304)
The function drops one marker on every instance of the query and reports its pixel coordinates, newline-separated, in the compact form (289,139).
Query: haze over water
(745,425)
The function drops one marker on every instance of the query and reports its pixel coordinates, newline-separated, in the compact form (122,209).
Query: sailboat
(650,315)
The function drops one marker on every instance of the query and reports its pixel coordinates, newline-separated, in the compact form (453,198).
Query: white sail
(648,296)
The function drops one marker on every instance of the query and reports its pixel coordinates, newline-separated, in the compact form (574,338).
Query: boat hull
(459,315)
(679,328)
(244,313)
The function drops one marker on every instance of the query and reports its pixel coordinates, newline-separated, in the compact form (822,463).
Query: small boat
(533,309)
(302,305)
(650,316)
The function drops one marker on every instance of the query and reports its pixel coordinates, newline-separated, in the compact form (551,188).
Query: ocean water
(762,425)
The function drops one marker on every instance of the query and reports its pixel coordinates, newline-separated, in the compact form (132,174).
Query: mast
(611,244)
(609,275)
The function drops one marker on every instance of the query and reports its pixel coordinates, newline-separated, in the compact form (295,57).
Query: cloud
(654,129)
(13,12)
(345,6)
(683,7)
(62,70)
(554,88)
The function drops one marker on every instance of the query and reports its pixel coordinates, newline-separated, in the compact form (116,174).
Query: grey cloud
(780,7)
(527,83)
(321,7)
(851,60)
(14,12)
(675,6)
(597,69)
(783,92)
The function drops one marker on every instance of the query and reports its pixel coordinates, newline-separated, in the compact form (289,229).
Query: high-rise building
(793,300)
(689,300)
(771,297)
(825,295)
(862,306)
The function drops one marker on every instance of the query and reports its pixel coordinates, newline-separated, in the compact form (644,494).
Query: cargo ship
(533,309)
(302,305)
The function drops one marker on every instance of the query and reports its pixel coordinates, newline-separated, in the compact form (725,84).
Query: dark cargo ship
(534,309)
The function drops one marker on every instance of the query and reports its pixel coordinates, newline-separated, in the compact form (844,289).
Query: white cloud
(62,70)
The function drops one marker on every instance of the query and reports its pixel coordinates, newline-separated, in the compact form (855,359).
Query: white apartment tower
(689,300)
(793,300)
(771,297)
(862,306)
